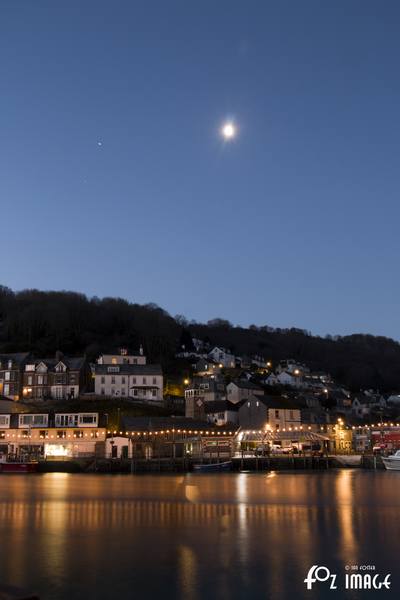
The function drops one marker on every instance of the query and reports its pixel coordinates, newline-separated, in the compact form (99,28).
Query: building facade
(141,382)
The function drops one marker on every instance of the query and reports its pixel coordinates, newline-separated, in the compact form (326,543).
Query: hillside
(44,322)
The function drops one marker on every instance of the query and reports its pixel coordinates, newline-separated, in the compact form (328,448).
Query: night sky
(115,180)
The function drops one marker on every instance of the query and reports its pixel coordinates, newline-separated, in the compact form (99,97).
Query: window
(135,392)
(88,419)
(277,414)
(154,393)
(103,380)
(4,420)
(113,379)
(78,434)
(123,380)
(134,361)
(40,379)
(10,364)
(114,361)
(30,379)
(113,369)
(29,367)
(6,389)
(43,434)
(7,376)
(61,434)
(102,392)
(134,380)
(291,415)
(123,392)
(144,380)
(154,380)
(33,420)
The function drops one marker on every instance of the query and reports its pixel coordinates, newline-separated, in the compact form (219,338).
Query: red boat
(18,467)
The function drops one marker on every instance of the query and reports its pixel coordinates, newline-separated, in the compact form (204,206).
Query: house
(44,435)
(123,358)
(222,412)
(367,402)
(206,367)
(141,382)
(203,390)
(293,367)
(240,389)
(294,379)
(222,356)
(59,378)
(11,373)
(269,412)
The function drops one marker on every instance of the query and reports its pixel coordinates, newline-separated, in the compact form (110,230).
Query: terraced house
(60,378)
(11,374)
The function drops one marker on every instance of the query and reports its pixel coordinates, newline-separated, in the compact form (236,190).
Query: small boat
(213,467)
(18,466)
(392,463)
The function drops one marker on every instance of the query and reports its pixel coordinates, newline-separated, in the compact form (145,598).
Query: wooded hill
(44,322)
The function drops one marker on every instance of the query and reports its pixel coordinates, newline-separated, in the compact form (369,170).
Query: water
(196,537)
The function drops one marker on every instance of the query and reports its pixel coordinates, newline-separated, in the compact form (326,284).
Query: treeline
(44,322)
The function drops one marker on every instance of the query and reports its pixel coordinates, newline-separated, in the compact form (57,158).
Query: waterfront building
(175,437)
(43,435)
(269,412)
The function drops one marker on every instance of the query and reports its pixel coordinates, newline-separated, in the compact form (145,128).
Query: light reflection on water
(196,536)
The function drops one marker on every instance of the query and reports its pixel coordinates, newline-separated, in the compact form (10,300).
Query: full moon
(228,130)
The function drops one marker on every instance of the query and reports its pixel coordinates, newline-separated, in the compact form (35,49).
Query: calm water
(192,537)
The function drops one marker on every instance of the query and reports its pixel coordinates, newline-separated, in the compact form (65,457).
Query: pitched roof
(163,423)
(246,385)
(219,406)
(276,402)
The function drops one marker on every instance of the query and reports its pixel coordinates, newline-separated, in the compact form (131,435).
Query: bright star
(228,130)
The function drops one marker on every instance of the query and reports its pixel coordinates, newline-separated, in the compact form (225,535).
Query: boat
(392,462)
(349,460)
(18,466)
(213,467)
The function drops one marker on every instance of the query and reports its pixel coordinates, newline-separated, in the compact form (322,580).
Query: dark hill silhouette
(44,322)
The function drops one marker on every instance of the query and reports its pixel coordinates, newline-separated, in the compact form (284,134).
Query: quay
(185,465)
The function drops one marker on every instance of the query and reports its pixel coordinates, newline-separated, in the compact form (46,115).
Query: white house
(222,356)
(141,382)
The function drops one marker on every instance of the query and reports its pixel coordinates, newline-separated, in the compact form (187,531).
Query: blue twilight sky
(114,179)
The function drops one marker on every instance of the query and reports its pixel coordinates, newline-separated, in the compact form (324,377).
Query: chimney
(59,355)
(141,350)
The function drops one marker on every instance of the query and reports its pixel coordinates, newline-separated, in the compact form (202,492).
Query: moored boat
(18,467)
(213,467)
(392,463)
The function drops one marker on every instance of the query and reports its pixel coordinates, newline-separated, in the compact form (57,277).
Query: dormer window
(29,367)
(113,369)
(10,364)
